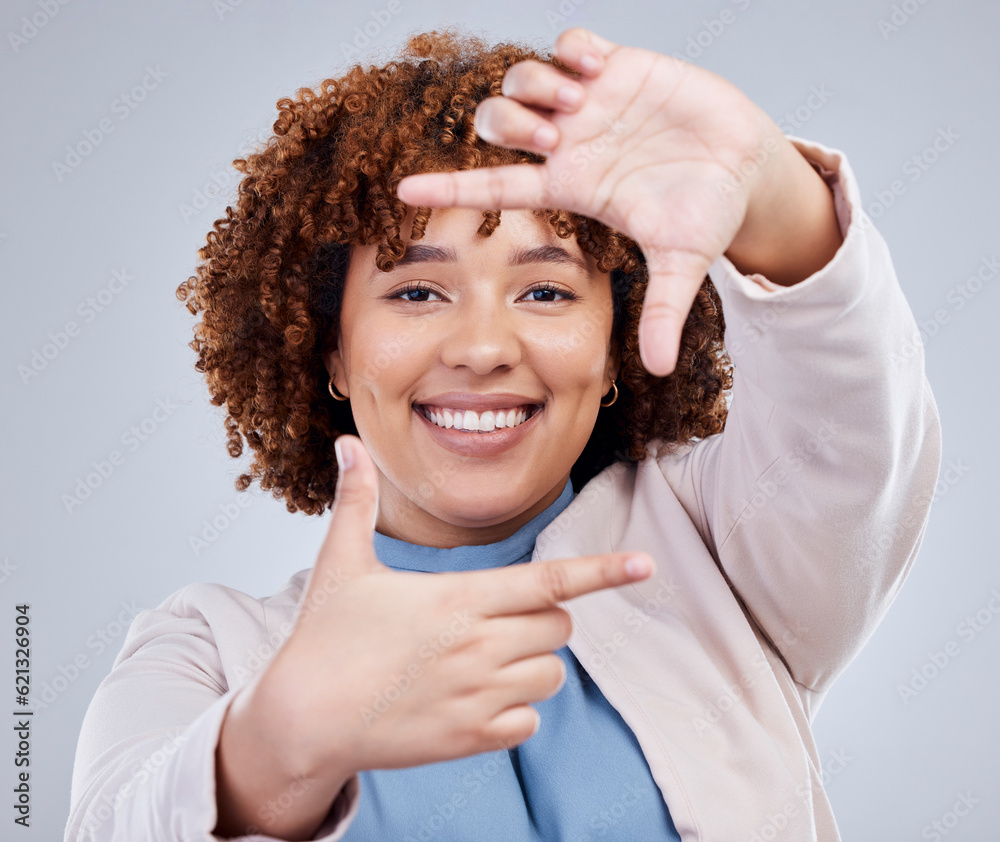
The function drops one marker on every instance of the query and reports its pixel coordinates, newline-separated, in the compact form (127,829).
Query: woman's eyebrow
(522,256)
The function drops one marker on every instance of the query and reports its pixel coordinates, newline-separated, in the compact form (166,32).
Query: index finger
(542,584)
(510,186)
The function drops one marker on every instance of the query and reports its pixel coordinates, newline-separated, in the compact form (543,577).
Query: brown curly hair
(271,275)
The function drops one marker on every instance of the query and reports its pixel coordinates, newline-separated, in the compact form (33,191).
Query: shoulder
(218,628)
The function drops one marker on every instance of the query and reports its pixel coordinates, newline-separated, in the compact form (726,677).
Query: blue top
(581,776)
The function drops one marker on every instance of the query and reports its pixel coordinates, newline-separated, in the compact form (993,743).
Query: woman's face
(478,330)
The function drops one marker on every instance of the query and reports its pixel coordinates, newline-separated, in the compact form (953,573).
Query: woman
(477,427)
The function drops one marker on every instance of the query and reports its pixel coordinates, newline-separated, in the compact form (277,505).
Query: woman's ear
(334,367)
(614,362)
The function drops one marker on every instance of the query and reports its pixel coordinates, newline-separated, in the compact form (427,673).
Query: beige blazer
(779,544)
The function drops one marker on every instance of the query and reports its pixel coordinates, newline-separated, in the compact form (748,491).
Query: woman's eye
(550,290)
(417,289)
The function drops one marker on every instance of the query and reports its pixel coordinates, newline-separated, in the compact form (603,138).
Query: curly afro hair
(270,277)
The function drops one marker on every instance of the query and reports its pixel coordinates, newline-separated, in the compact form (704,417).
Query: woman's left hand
(670,154)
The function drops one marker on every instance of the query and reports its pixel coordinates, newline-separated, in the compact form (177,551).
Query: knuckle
(557,672)
(564,624)
(495,189)
(478,649)
(357,492)
(456,597)
(527,725)
(553,581)
(468,736)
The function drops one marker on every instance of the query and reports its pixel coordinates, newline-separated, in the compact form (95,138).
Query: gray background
(894,765)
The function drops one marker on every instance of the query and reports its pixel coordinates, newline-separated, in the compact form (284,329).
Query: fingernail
(591,62)
(546,136)
(345,457)
(638,565)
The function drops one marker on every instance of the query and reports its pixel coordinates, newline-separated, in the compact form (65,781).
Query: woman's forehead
(456,229)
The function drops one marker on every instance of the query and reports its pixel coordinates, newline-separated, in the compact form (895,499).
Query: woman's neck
(400,518)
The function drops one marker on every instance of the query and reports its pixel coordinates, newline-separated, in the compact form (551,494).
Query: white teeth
(470,420)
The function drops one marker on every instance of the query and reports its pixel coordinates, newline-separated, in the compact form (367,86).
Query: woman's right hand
(387,669)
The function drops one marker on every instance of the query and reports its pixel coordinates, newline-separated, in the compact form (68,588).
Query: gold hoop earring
(333,391)
(615,387)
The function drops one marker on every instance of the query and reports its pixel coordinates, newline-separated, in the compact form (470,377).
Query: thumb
(348,549)
(675,276)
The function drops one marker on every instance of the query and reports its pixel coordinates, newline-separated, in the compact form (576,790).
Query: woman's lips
(476,443)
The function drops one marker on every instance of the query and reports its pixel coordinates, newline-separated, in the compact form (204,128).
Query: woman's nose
(482,334)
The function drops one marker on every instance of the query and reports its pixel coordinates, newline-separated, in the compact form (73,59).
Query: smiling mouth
(470,421)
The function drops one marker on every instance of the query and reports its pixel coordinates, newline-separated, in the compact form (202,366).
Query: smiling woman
(640,595)
(276,282)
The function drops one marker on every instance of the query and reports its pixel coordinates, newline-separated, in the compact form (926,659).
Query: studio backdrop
(121,121)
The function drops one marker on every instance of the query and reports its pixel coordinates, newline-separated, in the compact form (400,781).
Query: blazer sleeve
(815,497)
(145,758)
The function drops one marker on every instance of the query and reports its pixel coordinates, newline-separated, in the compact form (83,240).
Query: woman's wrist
(266,776)
(790,230)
